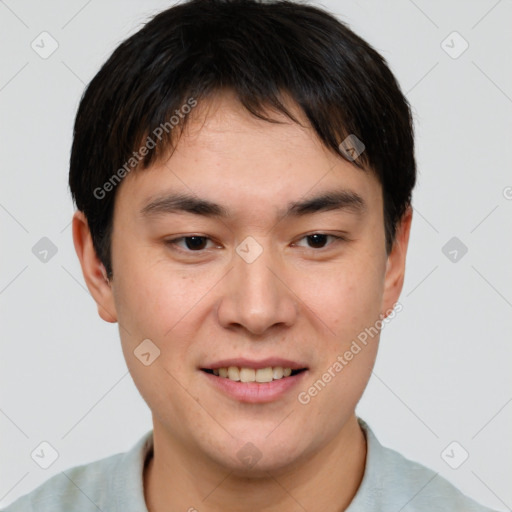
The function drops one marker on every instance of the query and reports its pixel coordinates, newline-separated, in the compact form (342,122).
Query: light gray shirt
(391,483)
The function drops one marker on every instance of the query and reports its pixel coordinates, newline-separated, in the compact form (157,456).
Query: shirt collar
(129,486)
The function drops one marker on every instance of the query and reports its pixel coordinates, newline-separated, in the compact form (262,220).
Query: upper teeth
(251,375)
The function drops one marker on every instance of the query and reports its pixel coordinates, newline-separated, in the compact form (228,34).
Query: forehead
(227,156)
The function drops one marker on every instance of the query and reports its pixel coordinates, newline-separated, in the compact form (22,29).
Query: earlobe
(93,269)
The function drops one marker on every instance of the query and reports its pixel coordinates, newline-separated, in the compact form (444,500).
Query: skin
(296,300)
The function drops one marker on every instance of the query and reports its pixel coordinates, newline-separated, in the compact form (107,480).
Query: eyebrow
(185,203)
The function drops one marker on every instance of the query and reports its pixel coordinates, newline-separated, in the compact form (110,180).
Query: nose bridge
(256,298)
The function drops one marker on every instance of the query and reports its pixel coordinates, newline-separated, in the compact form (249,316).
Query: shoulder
(392,482)
(90,487)
(76,488)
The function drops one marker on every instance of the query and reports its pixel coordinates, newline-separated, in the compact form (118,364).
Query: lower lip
(255,392)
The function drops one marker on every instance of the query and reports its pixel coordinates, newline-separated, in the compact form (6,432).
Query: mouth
(255,382)
(259,375)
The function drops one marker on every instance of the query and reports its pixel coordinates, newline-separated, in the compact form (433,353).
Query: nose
(256,295)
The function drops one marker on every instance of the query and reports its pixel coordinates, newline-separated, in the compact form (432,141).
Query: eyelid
(337,238)
(174,242)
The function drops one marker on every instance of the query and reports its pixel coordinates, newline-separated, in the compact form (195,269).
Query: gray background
(443,372)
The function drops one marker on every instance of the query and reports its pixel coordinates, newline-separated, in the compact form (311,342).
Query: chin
(257,455)
(273,464)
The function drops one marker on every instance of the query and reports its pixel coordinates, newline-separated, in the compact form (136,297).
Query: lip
(255,392)
(242,362)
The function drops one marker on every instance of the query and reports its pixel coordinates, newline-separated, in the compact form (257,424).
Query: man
(243,175)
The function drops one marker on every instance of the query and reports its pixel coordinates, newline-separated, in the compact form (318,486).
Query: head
(281,143)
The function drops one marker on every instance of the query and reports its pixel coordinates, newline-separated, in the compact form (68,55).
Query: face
(260,277)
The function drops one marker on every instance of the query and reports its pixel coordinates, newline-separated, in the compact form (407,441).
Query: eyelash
(174,242)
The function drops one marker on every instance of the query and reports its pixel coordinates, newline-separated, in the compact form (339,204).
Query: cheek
(350,305)
(158,302)
(152,296)
(346,298)
(156,305)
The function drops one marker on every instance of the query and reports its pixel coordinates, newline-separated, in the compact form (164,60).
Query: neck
(328,480)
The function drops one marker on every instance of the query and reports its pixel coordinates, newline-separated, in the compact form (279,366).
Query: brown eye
(193,243)
(320,240)
(317,240)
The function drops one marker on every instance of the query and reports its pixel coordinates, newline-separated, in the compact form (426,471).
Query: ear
(93,270)
(395,266)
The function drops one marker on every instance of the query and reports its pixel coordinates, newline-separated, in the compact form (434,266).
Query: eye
(319,240)
(198,243)
(193,243)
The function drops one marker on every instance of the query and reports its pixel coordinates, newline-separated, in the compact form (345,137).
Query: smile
(261,375)
(254,385)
